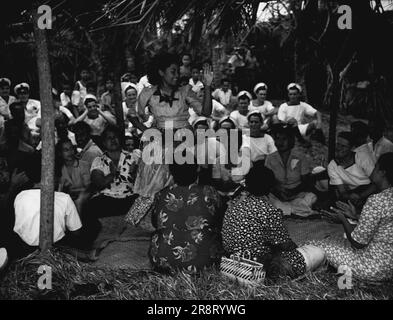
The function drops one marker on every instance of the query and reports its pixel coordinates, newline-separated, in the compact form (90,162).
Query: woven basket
(246,271)
(139,209)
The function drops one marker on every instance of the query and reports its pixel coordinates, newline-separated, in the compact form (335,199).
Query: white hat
(199,119)
(260,85)
(6,80)
(22,85)
(91,96)
(298,86)
(242,93)
(226,119)
(254,112)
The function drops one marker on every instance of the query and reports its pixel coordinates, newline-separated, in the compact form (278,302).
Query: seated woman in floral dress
(254,226)
(186,222)
(368,249)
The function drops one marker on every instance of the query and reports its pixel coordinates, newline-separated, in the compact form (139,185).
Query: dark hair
(184,174)
(225,80)
(4,83)
(33,168)
(129,88)
(347,135)
(243,97)
(385,164)
(360,129)
(186,54)
(81,126)
(160,62)
(260,180)
(14,105)
(59,162)
(88,100)
(286,130)
(294,87)
(112,129)
(195,67)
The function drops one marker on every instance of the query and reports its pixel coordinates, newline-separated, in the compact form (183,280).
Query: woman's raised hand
(208,76)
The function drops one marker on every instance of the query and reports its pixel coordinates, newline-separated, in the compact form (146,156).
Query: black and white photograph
(197,156)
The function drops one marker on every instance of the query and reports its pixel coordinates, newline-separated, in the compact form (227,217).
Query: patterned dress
(375,229)
(253,225)
(186,236)
(169,113)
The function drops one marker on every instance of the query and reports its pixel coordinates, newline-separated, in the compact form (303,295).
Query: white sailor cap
(244,93)
(4,81)
(21,86)
(296,85)
(260,85)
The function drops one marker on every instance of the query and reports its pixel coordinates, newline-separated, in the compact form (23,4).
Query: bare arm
(99,181)
(207,97)
(137,123)
(82,117)
(110,119)
(319,120)
(348,228)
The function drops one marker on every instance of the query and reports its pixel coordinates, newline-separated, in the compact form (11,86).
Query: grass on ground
(74,280)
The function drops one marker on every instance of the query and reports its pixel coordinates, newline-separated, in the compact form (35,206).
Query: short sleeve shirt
(264,109)
(27,216)
(169,112)
(240,120)
(289,175)
(298,112)
(259,147)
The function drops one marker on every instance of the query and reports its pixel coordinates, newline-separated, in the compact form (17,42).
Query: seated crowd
(204,211)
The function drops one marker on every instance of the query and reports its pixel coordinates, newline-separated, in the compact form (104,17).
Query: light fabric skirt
(301,206)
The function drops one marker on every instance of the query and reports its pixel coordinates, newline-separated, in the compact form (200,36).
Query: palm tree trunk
(47,137)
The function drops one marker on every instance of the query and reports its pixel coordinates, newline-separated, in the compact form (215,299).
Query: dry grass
(73,280)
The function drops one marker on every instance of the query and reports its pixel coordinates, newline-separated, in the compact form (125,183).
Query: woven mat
(302,231)
(122,246)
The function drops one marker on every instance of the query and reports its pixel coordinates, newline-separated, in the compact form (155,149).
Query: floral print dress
(187,231)
(253,226)
(375,229)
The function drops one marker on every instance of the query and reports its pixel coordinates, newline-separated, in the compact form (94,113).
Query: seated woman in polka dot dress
(368,247)
(254,225)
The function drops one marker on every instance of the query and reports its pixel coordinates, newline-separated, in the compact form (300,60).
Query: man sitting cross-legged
(294,111)
(292,174)
(66,223)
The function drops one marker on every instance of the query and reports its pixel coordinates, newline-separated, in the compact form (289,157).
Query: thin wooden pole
(47,137)
(334,107)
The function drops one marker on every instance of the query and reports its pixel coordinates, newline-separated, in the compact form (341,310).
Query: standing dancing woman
(169,105)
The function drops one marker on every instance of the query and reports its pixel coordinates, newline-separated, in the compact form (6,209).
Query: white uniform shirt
(240,120)
(223,97)
(298,112)
(196,87)
(27,216)
(264,109)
